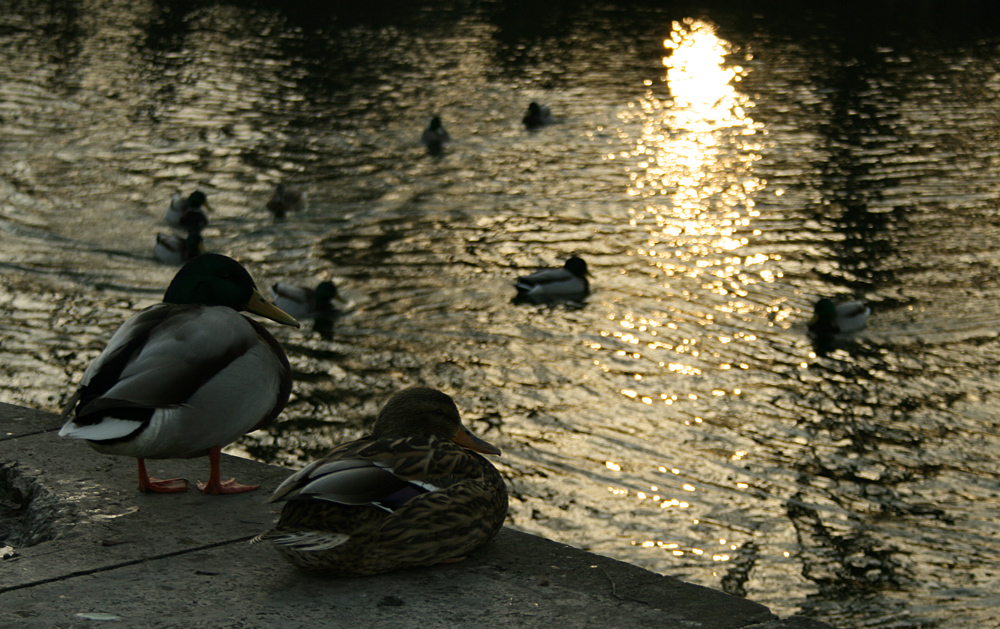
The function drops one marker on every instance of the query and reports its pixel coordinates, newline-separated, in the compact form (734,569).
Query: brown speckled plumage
(406,496)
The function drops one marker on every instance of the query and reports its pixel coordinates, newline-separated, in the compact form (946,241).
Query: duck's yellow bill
(259,305)
(468,440)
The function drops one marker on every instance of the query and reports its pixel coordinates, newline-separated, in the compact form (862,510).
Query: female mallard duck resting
(186,377)
(568,283)
(188,212)
(301,302)
(830,318)
(412,494)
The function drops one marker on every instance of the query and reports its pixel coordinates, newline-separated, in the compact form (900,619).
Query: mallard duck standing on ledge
(186,377)
(412,494)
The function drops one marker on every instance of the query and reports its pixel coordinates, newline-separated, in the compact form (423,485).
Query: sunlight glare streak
(692,189)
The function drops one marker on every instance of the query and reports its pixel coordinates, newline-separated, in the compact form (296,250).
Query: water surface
(719,171)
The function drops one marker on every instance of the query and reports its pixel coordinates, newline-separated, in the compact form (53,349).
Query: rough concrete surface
(81,546)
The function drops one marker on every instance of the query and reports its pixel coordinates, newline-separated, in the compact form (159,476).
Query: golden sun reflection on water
(694,158)
(690,165)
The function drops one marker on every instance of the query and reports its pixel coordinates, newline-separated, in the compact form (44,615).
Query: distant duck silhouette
(830,318)
(568,283)
(304,303)
(190,212)
(434,137)
(285,200)
(537,116)
(173,249)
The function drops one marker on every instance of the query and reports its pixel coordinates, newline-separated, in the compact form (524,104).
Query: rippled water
(718,170)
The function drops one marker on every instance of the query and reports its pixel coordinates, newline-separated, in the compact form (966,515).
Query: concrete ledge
(84,545)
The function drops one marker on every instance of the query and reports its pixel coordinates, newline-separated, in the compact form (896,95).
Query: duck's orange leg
(215,484)
(157,485)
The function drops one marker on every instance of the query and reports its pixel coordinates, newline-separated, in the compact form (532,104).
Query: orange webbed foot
(225,487)
(159,486)
(164,486)
(215,484)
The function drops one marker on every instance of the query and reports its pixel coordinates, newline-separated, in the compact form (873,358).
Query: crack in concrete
(123,564)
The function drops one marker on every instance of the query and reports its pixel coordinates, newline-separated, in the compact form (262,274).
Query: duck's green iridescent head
(825,310)
(212,279)
(576,266)
(325,292)
(197,199)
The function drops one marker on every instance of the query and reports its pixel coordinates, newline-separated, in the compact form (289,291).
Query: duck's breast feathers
(178,357)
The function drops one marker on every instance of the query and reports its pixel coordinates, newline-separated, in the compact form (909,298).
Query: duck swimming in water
(174,249)
(285,200)
(537,116)
(434,137)
(189,212)
(568,283)
(304,303)
(844,318)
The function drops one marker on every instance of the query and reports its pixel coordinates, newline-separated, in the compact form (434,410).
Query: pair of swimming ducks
(435,137)
(190,213)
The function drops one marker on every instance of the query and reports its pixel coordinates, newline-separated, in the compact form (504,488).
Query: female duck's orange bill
(467,439)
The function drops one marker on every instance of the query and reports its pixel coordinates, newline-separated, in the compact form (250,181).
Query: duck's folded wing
(351,481)
(169,241)
(852,309)
(162,356)
(545,276)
